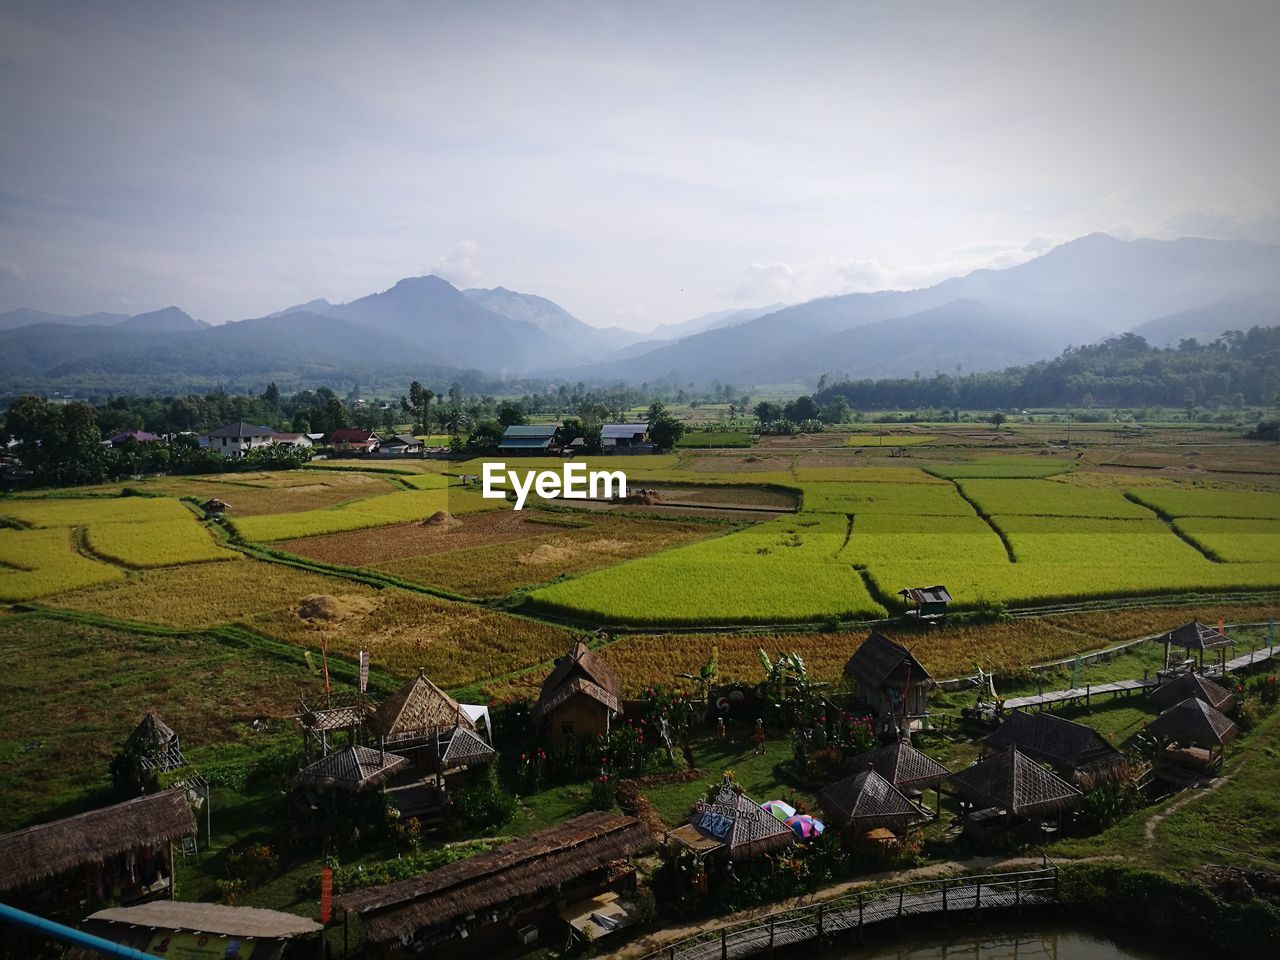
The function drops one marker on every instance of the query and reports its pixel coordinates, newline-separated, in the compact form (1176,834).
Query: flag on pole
(326,894)
(364,670)
(1221,627)
(324,654)
(311,663)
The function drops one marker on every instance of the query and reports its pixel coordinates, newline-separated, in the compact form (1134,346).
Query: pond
(1033,942)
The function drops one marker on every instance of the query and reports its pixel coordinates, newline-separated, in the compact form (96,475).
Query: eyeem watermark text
(573,482)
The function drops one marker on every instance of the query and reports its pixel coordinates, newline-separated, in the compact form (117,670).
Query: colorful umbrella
(778,809)
(805,826)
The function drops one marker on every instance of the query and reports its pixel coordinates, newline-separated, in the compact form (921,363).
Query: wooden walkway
(851,913)
(1246,660)
(1085,693)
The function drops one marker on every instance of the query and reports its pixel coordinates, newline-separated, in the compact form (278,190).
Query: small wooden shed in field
(890,683)
(926,602)
(581,696)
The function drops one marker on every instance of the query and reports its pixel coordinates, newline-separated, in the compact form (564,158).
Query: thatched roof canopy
(1193,722)
(1013,781)
(1196,636)
(418,709)
(462,746)
(1192,685)
(533,865)
(868,800)
(215,918)
(737,821)
(152,734)
(879,662)
(580,671)
(1052,739)
(351,768)
(52,848)
(903,765)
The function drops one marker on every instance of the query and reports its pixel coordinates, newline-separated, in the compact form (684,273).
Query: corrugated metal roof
(623,431)
(531,430)
(936,594)
(524,443)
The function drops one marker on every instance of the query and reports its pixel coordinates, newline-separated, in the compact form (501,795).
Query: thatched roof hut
(1192,685)
(1014,782)
(155,744)
(462,747)
(735,822)
(419,709)
(584,671)
(351,768)
(538,865)
(49,849)
(904,766)
(1196,637)
(1069,746)
(889,681)
(867,800)
(1194,723)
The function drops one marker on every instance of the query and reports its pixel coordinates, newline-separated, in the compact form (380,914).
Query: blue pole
(58,931)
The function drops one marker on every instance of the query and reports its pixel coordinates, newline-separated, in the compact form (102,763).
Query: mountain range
(424,327)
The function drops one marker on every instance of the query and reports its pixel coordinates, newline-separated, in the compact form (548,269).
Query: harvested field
(546,552)
(456,643)
(66,711)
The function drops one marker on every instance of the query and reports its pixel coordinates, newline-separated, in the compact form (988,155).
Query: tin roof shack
(507,897)
(1077,752)
(615,437)
(115,855)
(533,438)
(1012,792)
(581,696)
(930,603)
(180,929)
(890,683)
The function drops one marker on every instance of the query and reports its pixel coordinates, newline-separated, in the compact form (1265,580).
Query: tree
(837,411)
(997,419)
(511,414)
(656,411)
(665,432)
(271,396)
(800,409)
(767,412)
(485,437)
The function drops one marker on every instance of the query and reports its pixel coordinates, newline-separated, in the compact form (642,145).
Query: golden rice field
(405,506)
(36,563)
(154,544)
(457,643)
(1233,540)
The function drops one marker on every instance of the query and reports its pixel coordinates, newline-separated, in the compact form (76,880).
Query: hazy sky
(637,162)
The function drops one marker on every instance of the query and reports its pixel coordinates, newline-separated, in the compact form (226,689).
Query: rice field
(1048,541)
(712,439)
(456,643)
(901,440)
(1173,502)
(405,506)
(1233,540)
(84,511)
(916,499)
(1048,498)
(155,544)
(37,563)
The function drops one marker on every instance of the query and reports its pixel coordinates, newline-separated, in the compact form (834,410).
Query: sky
(638,163)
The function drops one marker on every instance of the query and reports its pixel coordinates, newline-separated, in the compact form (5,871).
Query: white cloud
(12,268)
(459,266)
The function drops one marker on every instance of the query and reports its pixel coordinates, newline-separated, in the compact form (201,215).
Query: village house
(580,697)
(533,439)
(354,442)
(237,439)
(297,440)
(401,445)
(625,438)
(570,878)
(120,854)
(890,683)
(137,436)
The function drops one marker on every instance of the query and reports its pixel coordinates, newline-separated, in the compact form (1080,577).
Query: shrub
(252,866)
(485,805)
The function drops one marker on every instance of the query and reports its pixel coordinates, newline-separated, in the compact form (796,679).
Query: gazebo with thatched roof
(1193,685)
(1073,749)
(155,745)
(412,716)
(1011,785)
(905,767)
(351,769)
(1197,639)
(866,801)
(1190,735)
(734,824)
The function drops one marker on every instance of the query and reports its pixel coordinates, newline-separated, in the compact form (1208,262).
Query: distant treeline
(1125,371)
